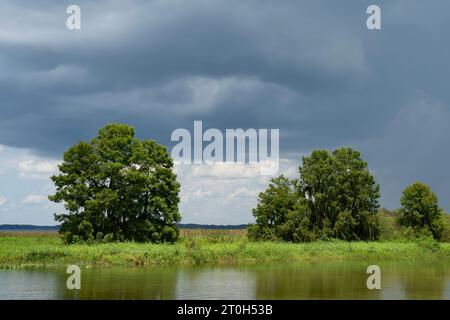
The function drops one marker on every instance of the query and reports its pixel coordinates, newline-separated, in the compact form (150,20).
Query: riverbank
(22,251)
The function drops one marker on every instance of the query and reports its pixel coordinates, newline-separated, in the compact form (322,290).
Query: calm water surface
(340,280)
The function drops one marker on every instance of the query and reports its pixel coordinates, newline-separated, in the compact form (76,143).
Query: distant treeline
(26,227)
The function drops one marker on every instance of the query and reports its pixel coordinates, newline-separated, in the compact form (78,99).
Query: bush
(257,232)
(108,238)
(389,227)
(428,243)
(446,232)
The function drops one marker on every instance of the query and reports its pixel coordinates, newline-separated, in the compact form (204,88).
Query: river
(324,280)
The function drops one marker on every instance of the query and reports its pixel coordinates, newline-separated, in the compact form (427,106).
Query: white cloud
(242,193)
(195,195)
(35,199)
(2,200)
(37,169)
(224,193)
(222,170)
(232,170)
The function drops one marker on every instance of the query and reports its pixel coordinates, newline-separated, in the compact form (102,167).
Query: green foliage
(428,243)
(345,226)
(388,223)
(207,246)
(280,213)
(446,233)
(420,210)
(118,186)
(86,231)
(390,228)
(340,190)
(335,197)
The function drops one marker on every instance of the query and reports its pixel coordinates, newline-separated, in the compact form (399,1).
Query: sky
(311,69)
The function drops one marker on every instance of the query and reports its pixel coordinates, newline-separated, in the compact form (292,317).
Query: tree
(420,210)
(335,197)
(341,193)
(280,213)
(117,187)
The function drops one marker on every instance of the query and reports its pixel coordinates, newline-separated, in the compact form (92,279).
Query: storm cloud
(310,68)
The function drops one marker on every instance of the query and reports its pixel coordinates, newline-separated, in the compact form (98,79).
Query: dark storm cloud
(310,68)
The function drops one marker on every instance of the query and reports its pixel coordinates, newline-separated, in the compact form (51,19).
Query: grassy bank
(201,247)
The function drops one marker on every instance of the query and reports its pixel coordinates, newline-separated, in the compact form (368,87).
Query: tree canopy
(335,197)
(118,188)
(280,213)
(420,210)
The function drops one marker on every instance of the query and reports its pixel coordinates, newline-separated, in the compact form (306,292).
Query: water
(337,280)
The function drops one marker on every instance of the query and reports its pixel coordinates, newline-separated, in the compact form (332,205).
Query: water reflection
(314,281)
(337,280)
(425,282)
(218,283)
(30,284)
(123,283)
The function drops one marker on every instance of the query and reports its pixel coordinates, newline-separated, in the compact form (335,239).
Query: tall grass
(213,236)
(204,247)
(30,234)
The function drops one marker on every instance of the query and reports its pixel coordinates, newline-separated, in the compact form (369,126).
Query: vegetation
(335,197)
(116,187)
(205,247)
(119,191)
(281,214)
(420,210)
(392,230)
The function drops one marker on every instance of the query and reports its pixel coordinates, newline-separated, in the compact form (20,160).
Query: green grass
(203,247)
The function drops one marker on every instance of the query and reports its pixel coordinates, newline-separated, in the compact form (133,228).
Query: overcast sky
(310,68)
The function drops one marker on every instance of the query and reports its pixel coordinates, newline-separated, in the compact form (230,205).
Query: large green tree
(341,193)
(335,197)
(117,187)
(420,210)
